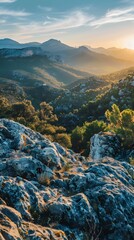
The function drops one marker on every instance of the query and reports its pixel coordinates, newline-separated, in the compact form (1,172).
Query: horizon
(94,23)
(74,46)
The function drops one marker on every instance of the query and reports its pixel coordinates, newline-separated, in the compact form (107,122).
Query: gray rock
(104,145)
(82,200)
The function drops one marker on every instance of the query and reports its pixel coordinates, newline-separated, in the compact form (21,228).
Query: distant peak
(83,47)
(52,40)
(55,45)
(8,40)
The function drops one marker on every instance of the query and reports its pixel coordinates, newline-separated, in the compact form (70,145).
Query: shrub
(81,135)
(77,137)
(93,128)
(63,139)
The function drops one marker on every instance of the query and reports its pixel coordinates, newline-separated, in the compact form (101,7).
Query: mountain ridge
(81,57)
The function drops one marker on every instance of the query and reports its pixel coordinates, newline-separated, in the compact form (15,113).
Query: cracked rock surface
(48,192)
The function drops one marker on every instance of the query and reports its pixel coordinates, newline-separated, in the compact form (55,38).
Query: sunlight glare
(129,43)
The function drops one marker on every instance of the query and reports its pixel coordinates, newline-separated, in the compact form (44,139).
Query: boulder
(49,192)
(105,144)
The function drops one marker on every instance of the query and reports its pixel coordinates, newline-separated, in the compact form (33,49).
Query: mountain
(9,43)
(92,62)
(84,58)
(12,44)
(121,53)
(81,58)
(31,69)
(53,45)
(34,77)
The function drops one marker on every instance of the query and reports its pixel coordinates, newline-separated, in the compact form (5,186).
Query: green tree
(77,137)
(92,128)
(46,113)
(114,117)
(23,109)
(122,123)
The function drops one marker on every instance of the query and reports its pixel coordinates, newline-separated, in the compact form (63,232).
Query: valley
(66,142)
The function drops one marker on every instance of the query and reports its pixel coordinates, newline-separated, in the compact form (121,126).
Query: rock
(108,187)
(50,157)
(13,227)
(48,192)
(104,145)
(74,211)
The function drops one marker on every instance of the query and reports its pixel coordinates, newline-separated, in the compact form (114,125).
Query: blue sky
(76,22)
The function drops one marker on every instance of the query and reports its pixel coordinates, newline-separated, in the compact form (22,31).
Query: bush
(63,139)
(77,137)
(93,128)
(81,135)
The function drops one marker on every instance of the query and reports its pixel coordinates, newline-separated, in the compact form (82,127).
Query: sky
(97,23)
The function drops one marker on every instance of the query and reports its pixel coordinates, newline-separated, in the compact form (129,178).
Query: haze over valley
(95,61)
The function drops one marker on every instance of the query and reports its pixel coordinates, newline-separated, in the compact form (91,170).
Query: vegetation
(122,123)
(42,120)
(81,135)
(119,122)
(75,115)
(121,94)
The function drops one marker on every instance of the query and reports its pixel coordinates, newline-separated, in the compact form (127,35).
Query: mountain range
(94,61)
(121,53)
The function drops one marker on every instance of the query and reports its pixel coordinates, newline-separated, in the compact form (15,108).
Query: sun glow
(129,43)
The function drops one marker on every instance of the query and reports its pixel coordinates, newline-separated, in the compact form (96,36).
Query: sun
(129,43)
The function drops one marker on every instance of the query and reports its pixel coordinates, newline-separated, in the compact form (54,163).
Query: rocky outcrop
(48,192)
(105,144)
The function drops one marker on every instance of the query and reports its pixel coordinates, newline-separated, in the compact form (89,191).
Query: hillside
(121,53)
(116,76)
(85,59)
(38,69)
(121,93)
(77,94)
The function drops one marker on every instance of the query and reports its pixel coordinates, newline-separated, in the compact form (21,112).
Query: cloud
(7,1)
(2,21)
(115,16)
(51,25)
(12,13)
(118,12)
(73,20)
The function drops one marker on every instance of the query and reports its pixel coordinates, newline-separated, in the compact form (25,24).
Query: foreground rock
(47,192)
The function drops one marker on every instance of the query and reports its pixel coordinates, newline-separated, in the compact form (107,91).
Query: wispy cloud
(73,20)
(7,1)
(12,13)
(51,25)
(118,12)
(115,16)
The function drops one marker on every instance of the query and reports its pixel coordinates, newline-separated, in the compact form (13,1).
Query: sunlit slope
(31,70)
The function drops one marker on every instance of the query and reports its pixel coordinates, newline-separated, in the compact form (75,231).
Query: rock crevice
(48,192)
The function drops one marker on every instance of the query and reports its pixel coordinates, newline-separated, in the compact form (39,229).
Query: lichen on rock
(48,192)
